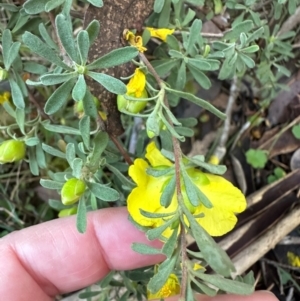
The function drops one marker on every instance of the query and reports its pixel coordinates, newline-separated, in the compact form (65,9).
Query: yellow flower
(135,88)
(170,288)
(225,198)
(133,40)
(293,259)
(4,97)
(160,33)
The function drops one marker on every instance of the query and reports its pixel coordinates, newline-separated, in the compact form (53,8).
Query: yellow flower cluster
(225,198)
(170,288)
(5,96)
(137,41)
(293,259)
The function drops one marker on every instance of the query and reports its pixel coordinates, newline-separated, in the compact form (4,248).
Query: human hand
(42,261)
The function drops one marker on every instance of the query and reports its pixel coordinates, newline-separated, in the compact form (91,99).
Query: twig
(220,150)
(177,156)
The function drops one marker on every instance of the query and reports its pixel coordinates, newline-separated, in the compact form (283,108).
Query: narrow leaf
(59,97)
(110,83)
(114,58)
(81,220)
(104,192)
(37,46)
(64,30)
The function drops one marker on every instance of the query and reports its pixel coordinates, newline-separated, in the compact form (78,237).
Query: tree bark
(114,17)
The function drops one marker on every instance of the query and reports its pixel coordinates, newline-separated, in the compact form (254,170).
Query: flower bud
(3,74)
(67,212)
(72,190)
(132,106)
(12,151)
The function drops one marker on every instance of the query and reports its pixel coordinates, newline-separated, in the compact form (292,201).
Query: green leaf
(184,131)
(250,49)
(79,89)
(35,6)
(59,97)
(198,101)
(49,184)
(296,131)
(181,76)
(70,153)
(163,273)
(34,168)
(16,94)
(235,32)
(100,142)
(37,46)
(64,31)
(170,245)
(32,141)
(200,77)
(83,43)
(160,171)
(168,193)
(35,68)
(77,168)
(13,53)
(44,33)
(110,83)
(40,156)
(53,151)
(97,3)
(247,60)
(212,253)
(81,220)
(158,6)
(156,215)
(104,192)
(53,4)
(194,35)
(56,78)
(257,158)
(93,30)
(199,64)
(20,118)
(114,58)
(61,129)
(227,285)
(164,66)
(120,176)
(156,233)
(6,44)
(89,105)
(211,168)
(194,194)
(144,249)
(255,35)
(84,127)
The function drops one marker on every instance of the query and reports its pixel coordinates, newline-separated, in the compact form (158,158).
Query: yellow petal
(293,259)
(155,157)
(137,172)
(170,288)
(226,200)
(160,33)
(134,40)
(137,83)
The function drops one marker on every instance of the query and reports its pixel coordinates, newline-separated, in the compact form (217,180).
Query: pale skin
(42,261)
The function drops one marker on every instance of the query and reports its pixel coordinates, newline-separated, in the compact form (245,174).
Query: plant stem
(177,156)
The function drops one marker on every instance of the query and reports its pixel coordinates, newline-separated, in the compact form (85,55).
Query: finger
(257,296)
(55,257)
